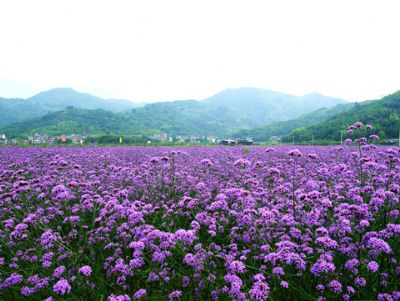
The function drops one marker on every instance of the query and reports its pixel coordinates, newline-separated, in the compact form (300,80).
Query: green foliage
(285,127)
(110,139)
(202,119)
(223,114)
(15,110)
(69,121)
(383,114)
(265,107)
(180,119)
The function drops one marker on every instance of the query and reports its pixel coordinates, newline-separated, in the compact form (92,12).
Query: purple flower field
(200,223)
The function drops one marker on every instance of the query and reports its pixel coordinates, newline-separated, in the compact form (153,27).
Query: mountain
(173,118)
(222,114)
(282,128)
(18,109)
(68,121)
(60,98)
(190,117)
(265,106)
(383,114)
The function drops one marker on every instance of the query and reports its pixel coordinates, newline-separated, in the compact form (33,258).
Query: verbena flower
(58,271)
(85,270)
(62,287)
(139,294)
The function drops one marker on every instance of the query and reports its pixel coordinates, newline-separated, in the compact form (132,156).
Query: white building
(3,139)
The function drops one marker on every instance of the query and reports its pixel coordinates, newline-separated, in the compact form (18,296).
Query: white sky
(163,50)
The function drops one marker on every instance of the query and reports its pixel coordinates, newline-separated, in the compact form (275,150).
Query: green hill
(222,115)
(383,114)
(265,106)
(69,121)
(17,109)
(175,118)
(282,128)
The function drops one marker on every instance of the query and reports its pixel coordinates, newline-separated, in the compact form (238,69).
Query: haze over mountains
(18,109)
(383,114)
(65,111)
(265,106)
(243,112)
(282,128)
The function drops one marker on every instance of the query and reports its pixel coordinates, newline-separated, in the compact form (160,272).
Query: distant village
(77,139)
(43,139)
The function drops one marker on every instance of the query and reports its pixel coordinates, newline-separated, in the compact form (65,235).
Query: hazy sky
(162,50)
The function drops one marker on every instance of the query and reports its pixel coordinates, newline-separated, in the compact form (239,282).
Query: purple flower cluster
(62,287)
(85,270)
(152,223)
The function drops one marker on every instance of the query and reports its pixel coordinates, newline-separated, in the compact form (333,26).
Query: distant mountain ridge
(18,109)
(172,118)
(266,106)
(64,97)
(383,114)
(331,123)
(222,114)
(283,128)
